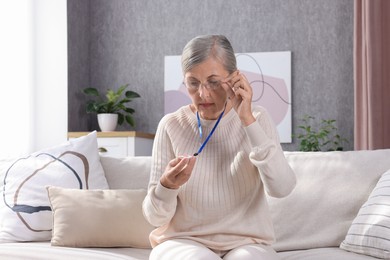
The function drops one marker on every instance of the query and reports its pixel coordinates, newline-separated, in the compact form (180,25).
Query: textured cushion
(331,187)
(99,218)
(369,233)
(25,213)
(127,173)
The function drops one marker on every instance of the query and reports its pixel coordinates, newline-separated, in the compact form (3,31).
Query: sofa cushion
(45,251)
(331,187)
(25,213)
(369,233)
(326,253)
(128,172)
(98,218)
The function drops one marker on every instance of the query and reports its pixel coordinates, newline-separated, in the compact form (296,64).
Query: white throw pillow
(369,233)
(25,213)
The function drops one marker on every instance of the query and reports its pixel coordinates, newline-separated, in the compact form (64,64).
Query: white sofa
(310,223)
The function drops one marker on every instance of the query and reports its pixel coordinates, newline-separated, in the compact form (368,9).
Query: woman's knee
(252,251)
(182,249)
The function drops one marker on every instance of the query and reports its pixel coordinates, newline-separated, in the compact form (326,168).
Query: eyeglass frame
(205,84)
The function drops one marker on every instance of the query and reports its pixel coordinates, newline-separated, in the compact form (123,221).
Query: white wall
(33,75)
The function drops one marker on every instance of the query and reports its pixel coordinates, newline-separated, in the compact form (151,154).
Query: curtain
(16,80)
(34,79)
(372,74)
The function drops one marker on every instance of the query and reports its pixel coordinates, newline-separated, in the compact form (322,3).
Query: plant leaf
(130,120)
(131,94)
(91,92)
(129,110)
(120,118)
(91,107)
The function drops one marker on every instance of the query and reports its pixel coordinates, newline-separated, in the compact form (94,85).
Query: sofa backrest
(128,172)
(331,188)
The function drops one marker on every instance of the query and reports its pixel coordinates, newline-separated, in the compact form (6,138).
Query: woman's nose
(203,91)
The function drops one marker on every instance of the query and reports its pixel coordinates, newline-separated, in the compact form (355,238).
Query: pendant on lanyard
(210,134)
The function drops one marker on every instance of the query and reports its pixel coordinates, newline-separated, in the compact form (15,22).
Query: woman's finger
(228,89)
(230,77)
(177,165)
(174,162)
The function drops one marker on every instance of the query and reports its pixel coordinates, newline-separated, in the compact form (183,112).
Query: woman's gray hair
(202,47)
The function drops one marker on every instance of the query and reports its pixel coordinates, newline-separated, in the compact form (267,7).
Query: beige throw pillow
(98,218)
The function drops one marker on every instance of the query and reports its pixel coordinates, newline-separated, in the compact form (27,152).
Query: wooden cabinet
(121,143)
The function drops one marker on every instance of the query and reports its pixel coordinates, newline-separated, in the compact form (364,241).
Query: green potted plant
(322,138)
(111,108)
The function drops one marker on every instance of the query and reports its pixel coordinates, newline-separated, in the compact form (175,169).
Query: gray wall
(112,42)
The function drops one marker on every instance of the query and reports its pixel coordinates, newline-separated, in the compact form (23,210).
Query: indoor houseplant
(324,137)
(112,105)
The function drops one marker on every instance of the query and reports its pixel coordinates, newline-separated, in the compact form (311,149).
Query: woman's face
(207,95)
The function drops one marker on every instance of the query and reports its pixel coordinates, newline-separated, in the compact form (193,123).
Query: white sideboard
(121,143)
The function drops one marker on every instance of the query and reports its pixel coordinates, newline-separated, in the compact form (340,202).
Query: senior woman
(213,162)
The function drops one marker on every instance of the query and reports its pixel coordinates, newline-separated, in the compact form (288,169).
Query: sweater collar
(228,116)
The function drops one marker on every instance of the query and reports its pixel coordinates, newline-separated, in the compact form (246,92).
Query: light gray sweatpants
(185,249)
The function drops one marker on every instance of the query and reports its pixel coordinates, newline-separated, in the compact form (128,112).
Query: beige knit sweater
(223,205)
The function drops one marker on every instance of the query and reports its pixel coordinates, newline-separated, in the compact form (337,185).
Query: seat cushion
(330,253)
(44,251)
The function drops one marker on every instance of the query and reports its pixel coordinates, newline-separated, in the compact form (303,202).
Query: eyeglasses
(194,85)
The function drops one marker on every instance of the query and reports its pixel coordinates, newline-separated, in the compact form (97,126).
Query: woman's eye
(193,84)
(213,83)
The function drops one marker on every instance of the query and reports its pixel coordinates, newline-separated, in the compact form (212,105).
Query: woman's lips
(206,105)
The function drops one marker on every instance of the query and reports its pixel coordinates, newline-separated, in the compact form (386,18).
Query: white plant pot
(107,122)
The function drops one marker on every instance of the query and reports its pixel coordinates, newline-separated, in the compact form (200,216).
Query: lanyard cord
(210,134)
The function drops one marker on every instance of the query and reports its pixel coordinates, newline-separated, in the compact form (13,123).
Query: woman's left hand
(240,93)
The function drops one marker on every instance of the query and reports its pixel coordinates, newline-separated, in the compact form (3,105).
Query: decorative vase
(107,122)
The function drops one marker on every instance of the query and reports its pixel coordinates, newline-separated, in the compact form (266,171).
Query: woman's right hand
(177,172)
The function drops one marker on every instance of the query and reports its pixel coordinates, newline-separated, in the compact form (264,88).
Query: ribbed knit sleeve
(267,155)
(160,203)
(173,130)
